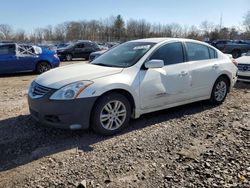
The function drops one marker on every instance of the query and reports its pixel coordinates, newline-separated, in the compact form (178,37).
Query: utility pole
(221,17)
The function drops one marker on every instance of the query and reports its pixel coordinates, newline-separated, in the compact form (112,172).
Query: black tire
(42,67)
(215,99)
(99,109)
(68,57)
(236,53)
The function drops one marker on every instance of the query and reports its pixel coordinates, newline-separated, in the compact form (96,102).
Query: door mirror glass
(154,63)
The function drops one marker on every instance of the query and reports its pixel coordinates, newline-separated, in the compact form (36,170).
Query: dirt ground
(196,145)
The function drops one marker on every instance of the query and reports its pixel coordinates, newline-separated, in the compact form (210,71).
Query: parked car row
(81,49)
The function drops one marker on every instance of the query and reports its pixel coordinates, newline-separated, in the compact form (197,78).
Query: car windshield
(124,55)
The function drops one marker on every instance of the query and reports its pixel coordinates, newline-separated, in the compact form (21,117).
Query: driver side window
(170,53)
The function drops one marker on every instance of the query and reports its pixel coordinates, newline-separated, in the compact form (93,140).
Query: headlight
(31,88)
(71,91)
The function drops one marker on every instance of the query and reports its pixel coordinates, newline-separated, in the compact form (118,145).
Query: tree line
(116,29)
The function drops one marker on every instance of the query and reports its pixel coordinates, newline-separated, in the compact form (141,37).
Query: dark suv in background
(80,49)
(234,47)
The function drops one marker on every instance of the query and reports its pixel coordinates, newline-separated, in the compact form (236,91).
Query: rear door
(26,57)
(79,50)
(167,85)
(89,48)
(8,59)
(204,68)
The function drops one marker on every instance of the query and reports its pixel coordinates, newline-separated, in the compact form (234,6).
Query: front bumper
(244,76)
(65,114)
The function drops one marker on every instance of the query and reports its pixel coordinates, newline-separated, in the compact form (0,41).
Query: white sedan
(244,67)
(132,79)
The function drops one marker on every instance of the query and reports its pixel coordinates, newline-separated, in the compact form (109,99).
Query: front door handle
(215,66)
(183,73)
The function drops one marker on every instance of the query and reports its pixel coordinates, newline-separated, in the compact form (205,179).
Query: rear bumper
(65,114)
(56,63)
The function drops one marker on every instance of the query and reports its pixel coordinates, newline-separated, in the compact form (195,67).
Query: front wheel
(110,114)
(43,67)
(220,90)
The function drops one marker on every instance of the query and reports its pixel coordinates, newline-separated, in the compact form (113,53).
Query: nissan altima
(132,79)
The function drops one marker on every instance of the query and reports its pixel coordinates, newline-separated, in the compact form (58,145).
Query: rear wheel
(110,114)
(42,67)
(220,90)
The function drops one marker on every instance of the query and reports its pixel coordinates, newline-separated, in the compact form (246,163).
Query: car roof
(159,40)
(82,41)
(3,44)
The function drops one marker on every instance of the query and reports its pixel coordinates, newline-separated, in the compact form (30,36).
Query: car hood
(243,60)
(59,77)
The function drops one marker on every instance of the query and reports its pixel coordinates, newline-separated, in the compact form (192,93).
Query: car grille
(39,91)
(244,67)
(244,77)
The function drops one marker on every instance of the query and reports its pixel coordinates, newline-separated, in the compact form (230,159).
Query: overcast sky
(30,14)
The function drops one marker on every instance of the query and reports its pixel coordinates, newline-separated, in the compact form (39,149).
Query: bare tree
(207,28)
(114,28)
(6,31)
(246,24)
(246,21)
(60,31)
(20,36)
(48,33)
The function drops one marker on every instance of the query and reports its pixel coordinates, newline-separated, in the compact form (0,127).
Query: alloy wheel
(220,91)
(113,115)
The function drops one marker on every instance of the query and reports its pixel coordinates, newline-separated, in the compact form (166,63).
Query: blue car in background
(23,57)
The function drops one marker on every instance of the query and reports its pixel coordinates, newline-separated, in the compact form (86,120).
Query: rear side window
(212,53)
(170,53)
(196,52)
(7,49)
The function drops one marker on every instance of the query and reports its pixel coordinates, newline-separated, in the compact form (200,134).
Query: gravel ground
(196,145)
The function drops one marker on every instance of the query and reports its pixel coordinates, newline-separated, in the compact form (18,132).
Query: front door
(167,85)
(79,51)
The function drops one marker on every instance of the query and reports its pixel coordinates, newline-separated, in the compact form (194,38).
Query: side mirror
(154,63)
